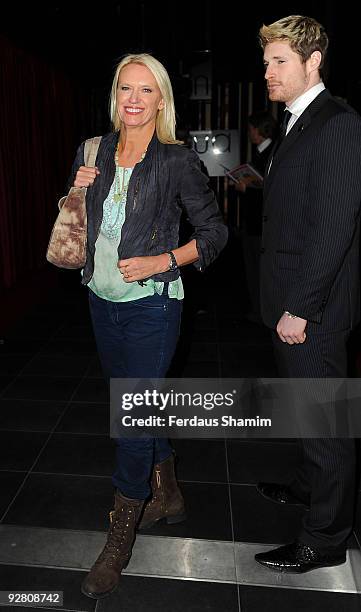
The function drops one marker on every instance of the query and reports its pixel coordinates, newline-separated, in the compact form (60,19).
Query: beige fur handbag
(67,244)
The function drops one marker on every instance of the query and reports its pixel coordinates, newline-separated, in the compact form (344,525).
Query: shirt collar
(263,145)
(300,104)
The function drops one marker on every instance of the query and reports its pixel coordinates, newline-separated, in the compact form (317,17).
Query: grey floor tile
(9,485)
(29,415)
(92,390)
(21,346)
(19,449)
(157,595)
(162,557)
(42,388)
(69,348)
(95,369)
(11,365)
(5,382)
(84,417)
(279,600)
(69,453)
(55,365)
(64,502)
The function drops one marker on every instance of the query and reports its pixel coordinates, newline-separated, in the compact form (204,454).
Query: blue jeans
(136,339)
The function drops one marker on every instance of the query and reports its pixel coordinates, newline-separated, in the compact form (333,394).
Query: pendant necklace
(120,189)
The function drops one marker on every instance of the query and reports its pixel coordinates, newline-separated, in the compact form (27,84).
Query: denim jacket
(166,181)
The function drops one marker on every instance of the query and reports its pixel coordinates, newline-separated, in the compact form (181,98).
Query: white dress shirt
(299,105)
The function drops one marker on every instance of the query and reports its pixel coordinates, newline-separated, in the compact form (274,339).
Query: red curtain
(41,118)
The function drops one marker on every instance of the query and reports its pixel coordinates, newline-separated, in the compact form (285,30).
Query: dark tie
(286,117)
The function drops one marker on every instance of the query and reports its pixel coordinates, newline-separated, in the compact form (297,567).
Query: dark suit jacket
(312,196)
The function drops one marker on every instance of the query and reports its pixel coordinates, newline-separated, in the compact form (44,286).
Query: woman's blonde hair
(304,35)
(165,120)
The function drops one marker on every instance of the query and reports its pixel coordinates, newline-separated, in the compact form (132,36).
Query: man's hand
(139,268)
(241,186)
(291,330)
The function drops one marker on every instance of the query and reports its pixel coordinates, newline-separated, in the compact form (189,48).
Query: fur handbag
(67,244)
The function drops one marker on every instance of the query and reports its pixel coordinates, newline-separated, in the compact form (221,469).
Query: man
(310,273)
(262,128)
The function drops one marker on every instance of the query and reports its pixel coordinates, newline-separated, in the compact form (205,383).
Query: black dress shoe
(280,494)
(297,558)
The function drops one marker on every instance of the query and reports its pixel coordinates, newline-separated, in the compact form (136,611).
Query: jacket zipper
(153,237)
(136,189)
(136,193)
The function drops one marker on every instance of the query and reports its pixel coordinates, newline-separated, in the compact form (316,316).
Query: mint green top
(107,281)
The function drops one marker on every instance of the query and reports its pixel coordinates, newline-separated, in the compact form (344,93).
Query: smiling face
(138,97)
(286,75)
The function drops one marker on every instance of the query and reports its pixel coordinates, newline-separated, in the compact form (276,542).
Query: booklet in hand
(247,174)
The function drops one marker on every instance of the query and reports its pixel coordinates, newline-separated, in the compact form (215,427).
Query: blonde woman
(143,179)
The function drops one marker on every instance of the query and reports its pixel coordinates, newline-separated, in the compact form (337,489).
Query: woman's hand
(85,176)
(139,268)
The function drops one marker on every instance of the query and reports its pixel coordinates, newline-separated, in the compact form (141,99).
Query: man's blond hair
(304,35)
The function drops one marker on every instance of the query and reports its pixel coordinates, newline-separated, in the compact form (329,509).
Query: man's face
(286,75)
(254,135)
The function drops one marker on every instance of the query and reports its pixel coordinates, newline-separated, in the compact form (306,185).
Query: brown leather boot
(167,500)
(104,576)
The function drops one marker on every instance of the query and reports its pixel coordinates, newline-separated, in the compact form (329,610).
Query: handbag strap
(90,150)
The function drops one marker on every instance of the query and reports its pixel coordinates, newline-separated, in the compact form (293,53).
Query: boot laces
(155,495)
(120,521)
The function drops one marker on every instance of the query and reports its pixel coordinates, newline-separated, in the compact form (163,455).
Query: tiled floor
(55,488)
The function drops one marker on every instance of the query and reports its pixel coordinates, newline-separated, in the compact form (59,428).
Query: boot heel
(177,518)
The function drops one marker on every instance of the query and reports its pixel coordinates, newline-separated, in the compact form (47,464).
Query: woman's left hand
(139,268)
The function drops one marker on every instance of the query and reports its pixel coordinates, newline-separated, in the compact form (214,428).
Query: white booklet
(246,174)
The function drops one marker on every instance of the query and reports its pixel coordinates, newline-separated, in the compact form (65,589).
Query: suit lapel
(297,130)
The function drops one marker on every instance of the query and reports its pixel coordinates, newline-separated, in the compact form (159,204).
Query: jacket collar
(111,140)
(295,132)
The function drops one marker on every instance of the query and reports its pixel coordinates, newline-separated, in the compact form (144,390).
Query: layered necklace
(121,188)
(114,205)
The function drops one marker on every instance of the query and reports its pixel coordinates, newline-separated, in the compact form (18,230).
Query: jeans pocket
(152,302)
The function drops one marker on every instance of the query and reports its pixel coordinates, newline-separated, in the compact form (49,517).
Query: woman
(142,180)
